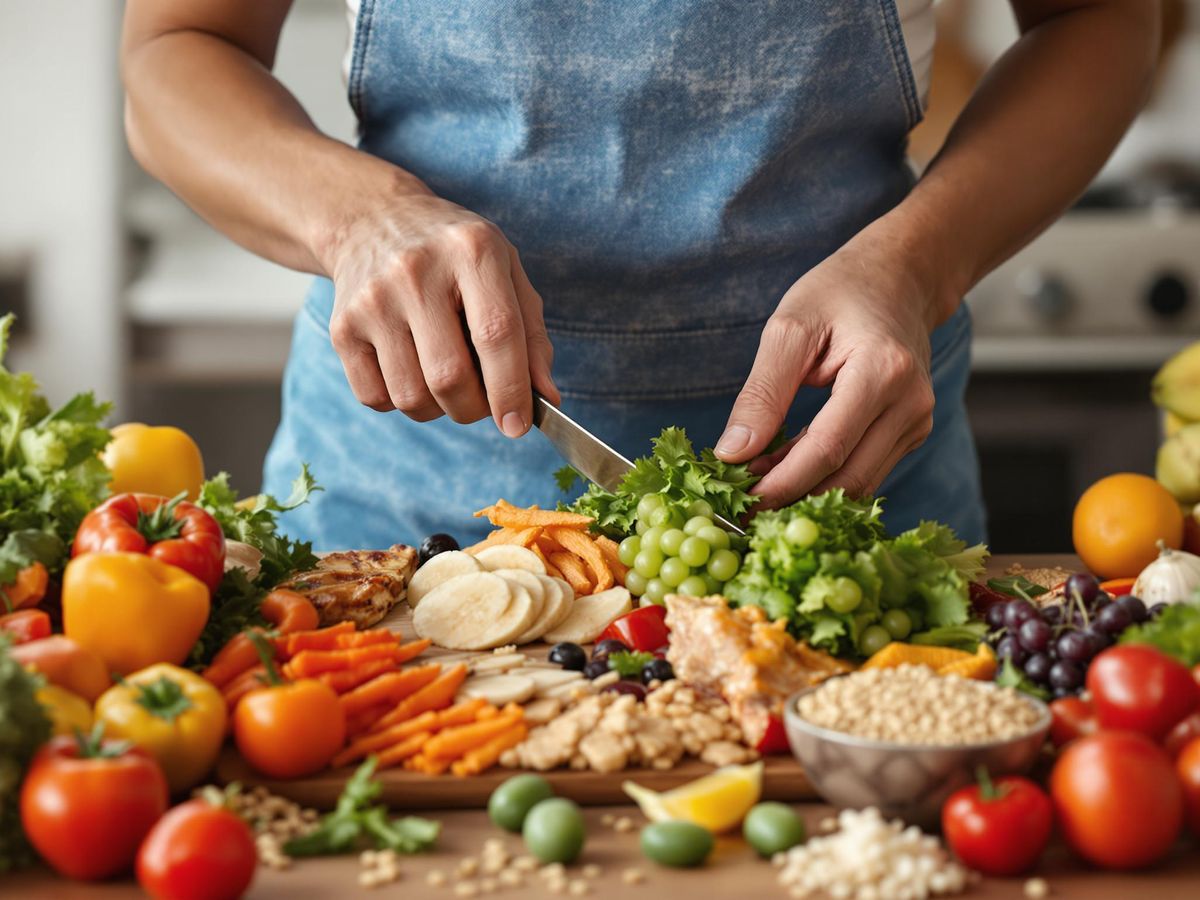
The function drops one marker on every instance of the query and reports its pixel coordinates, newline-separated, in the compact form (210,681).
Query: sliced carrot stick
(411,650)
(237,656)
(252,679)
(379,740)
(348,679)
(484,757)
(308,663)
(365,638)
(438,694)
(455,742)
(389,689)
(396,754)
(289,611)
(361,723)
(317,639)
(424,765)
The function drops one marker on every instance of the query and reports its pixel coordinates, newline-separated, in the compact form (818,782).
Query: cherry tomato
(644,630)
(197,851)
(1117,799)
(1187,766)
(86,804)
(1136,687)
(774,739)
(1182,734)
(1072,717)
(289,730)
(998,828)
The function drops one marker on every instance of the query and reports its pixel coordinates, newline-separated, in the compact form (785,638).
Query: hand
(861,321)
(404,269)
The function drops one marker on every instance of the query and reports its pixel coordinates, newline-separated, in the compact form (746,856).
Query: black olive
(657,670)
(596,668)
(604,648)
(433,545)
(569,656)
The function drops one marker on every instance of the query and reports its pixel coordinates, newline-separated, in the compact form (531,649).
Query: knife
(587,454)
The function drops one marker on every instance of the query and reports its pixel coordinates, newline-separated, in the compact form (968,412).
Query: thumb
(785,355)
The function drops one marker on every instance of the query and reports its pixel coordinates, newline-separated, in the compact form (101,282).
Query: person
(671,212)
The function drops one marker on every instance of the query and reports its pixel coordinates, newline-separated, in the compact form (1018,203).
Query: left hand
(861,321)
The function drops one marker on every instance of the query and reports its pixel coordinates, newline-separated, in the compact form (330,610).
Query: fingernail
(734,440)
(512,425)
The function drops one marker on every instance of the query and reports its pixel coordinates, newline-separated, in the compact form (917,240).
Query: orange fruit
(1119,521)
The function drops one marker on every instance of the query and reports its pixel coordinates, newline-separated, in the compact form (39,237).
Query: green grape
(723,564)
(694,551)
(872,640)
(711,585)
(897,623)
(649,503)
(802,531)
(662,517)
(718,538)
(628,550)
(692,586)
(670,541)
(846,596)
(648,562)
(635,583)
(673,571)
(642,526)
(700,508)
(655,591)
(652,537)
(677,518)
(695,523)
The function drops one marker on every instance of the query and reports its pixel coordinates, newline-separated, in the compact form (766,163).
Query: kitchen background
(120,289)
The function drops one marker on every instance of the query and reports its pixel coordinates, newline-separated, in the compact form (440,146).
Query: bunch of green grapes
(677,550)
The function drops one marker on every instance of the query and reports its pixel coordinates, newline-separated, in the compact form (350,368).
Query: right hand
(404,271)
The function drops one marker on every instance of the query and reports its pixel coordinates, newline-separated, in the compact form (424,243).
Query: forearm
(212,123)
(1037,130)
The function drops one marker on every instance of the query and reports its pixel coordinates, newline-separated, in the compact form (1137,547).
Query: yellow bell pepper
(132,610)
(153,460)
(174,715)
(68,712)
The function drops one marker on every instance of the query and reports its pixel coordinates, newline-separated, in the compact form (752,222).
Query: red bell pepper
(644,630)
(25,625)
(172,531)
(774,739)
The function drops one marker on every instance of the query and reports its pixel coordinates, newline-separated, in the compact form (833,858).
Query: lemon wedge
(718,801)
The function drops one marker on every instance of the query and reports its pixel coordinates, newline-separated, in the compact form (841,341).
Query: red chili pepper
(774,739)
(173,531)
(26,625)
(1118,587)
(643,630)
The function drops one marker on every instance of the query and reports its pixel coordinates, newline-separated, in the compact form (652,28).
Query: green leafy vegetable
(24,727)
(566,477)
(51,475)
(960,637)
(627,663)
(673,470)
(1011,676)
(1175,632)
(357,820)
(924,571)
(236,606)
(1016,586)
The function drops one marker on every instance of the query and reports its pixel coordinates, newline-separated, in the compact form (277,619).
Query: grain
(1037,889)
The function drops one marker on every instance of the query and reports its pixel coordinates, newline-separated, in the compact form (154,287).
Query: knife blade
(587,454)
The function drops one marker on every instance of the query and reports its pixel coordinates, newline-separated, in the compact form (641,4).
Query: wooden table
(733,871)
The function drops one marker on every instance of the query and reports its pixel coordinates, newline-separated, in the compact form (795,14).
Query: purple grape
(1114,618)
(1101,602)
(1156,610)
(1098,638)
(1053,613)
(596,668)
(1017,612)
(1009,647)
(1037,667)
(633,688)
(1066,675)
(607,646)
(995,616)
(1083,584)
(1059,693)
(1034,635)
(1134,606)
(1073,646)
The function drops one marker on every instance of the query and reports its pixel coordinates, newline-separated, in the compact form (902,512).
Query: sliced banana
(537,593)
(590,615)
(499,689)
(471,612)
(509,556)
(439,569)
(555,609)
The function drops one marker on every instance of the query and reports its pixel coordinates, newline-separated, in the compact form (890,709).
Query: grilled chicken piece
(751,662)
(358,586)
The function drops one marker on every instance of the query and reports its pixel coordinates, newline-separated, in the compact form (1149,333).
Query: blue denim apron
(667,169)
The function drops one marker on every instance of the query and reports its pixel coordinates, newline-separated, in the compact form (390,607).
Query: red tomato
(1117,799)
(998,828)
(1181,735)
(1187,766)
(644,630)
(1136,687)
(1072,717)
(25,625)
(197,851)
(86,804)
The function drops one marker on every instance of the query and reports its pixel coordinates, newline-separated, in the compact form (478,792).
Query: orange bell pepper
(65,663)
(27,589)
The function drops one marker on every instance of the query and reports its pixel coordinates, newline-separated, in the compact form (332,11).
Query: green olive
(678,844)
(771,828)
(512,800)
(554,831)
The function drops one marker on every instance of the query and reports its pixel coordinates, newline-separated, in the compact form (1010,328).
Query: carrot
(237,656)
(252,679)
(318,639)
(308,663)
(289,611)
(411,650)
(438,694)
(378,740)
(396,754)
(27,589)
(455,742)
(347,679)
(365,638)
(361,723)
(424,765)
(487,755)
(390,688)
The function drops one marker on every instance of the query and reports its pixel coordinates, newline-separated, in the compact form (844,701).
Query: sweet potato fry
(504,514)
(453,743)
(573,571)
(585,548)
(388,689)
(611,551)
(487,755)
(522,537)
(438,694)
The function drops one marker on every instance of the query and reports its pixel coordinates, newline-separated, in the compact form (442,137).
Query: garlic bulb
(243,556)
(1172,578)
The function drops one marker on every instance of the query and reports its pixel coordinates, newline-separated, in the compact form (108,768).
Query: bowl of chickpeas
(904,739)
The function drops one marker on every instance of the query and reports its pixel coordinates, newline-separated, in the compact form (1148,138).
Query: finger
(361,367)
(498,334)
(763,464)
(446,363)
(786,352)
(401,368)
(537,340)
(884,444)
